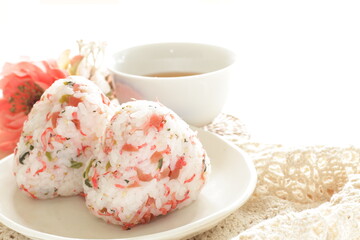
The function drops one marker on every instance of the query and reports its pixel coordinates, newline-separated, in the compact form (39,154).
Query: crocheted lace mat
(306,192)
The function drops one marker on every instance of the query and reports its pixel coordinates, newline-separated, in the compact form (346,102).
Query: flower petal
(64,59)
(8,120)
(8,141)
(22,84)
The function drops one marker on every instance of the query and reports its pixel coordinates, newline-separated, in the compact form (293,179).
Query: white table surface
(297,74)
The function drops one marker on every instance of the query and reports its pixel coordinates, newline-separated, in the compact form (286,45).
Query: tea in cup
(190,78)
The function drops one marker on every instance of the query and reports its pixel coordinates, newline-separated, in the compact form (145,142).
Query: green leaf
(64,98)
(22,157)
(108,165)
(160,163)
(48,155)
(87,183)
(75,164)
(86,172)
(203,161)
(69,83)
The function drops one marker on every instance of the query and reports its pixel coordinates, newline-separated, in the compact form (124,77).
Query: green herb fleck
(48,155)
(12,109)
(31,147)
(168,129)
(96,163)
(127,181)
(69,83)
(22,157)
(75,164)
(87,183)
(64,98)
(108,165)
(160,163)
(185,140)
(86,172)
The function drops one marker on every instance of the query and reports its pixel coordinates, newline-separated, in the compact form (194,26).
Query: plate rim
(205,222)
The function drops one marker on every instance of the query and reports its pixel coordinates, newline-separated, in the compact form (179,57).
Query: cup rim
(110,65)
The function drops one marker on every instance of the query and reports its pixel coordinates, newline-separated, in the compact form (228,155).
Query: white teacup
(189,78)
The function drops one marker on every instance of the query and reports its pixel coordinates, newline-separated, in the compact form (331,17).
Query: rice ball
(151,163)
(62,132)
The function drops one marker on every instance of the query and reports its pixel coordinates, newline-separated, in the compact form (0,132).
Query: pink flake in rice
(151,163)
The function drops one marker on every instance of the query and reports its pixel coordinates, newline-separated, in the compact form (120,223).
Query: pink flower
(22,84)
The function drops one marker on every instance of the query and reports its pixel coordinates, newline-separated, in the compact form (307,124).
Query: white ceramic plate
(232,181)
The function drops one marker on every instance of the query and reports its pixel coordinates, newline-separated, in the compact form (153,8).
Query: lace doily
(310,192)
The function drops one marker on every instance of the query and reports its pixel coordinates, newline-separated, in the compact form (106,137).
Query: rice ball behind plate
(62,132)
(151,163)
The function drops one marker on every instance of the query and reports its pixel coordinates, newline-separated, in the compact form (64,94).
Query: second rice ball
(151,163)
(61,134)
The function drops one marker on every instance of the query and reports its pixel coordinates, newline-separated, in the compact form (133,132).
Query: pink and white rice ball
(62,132)
(151,163)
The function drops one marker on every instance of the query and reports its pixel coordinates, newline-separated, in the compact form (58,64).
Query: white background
(298,62)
